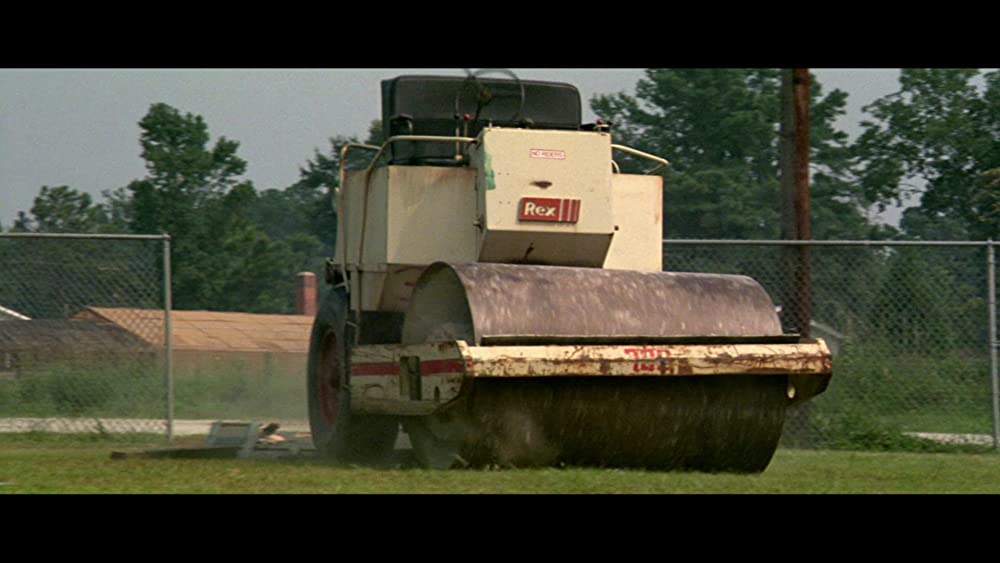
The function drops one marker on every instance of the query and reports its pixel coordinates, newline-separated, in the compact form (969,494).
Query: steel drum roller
(718,423)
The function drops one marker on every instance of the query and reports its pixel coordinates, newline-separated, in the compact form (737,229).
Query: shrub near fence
(241,391)
(909,324)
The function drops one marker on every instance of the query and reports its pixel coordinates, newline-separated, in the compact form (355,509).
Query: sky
(79,127)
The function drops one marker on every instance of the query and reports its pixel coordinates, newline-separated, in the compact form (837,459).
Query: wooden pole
(794,170)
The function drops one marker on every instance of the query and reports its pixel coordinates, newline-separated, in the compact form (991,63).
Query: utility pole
(794,168)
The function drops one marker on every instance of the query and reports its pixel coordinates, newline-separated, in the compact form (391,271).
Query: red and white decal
(550,210)
(655,355)
(550,154)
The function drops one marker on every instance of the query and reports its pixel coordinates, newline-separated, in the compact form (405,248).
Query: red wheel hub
(329,379)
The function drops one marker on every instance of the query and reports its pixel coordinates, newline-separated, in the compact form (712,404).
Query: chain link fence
(82,333)
(84,329)
(909,325)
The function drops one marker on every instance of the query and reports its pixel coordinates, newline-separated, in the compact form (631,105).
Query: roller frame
(423,379)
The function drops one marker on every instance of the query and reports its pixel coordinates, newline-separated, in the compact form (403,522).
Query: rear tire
(338,434)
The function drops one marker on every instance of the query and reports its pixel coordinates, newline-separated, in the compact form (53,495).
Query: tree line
(237,248)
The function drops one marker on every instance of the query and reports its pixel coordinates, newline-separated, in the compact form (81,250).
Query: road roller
(497,294)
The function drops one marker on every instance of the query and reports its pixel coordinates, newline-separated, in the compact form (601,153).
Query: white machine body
(530,197)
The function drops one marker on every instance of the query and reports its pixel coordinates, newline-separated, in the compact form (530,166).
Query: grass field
(44,464)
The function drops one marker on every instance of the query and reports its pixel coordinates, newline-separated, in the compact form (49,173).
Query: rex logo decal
(550,210)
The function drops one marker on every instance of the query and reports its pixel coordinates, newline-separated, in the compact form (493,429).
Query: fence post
(992,301)
(168,339)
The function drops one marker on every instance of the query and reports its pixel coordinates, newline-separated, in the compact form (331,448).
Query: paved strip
(978,439)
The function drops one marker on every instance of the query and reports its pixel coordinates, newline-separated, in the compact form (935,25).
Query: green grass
(42,464)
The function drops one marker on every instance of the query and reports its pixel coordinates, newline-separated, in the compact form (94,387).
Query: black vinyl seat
(426,105)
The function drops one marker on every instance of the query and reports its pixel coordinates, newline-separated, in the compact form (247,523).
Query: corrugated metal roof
(213,330)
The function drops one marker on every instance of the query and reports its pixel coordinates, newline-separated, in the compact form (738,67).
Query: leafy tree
(55,278)
(986,202)
(62,209)
(250,270)
(184,174)
(233,248)
(194,192)
(939,137)
(307,207)
(719,128)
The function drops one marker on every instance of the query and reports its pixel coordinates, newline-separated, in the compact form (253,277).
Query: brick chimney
(305,294)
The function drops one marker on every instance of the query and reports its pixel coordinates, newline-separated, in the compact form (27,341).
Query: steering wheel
(486,94)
